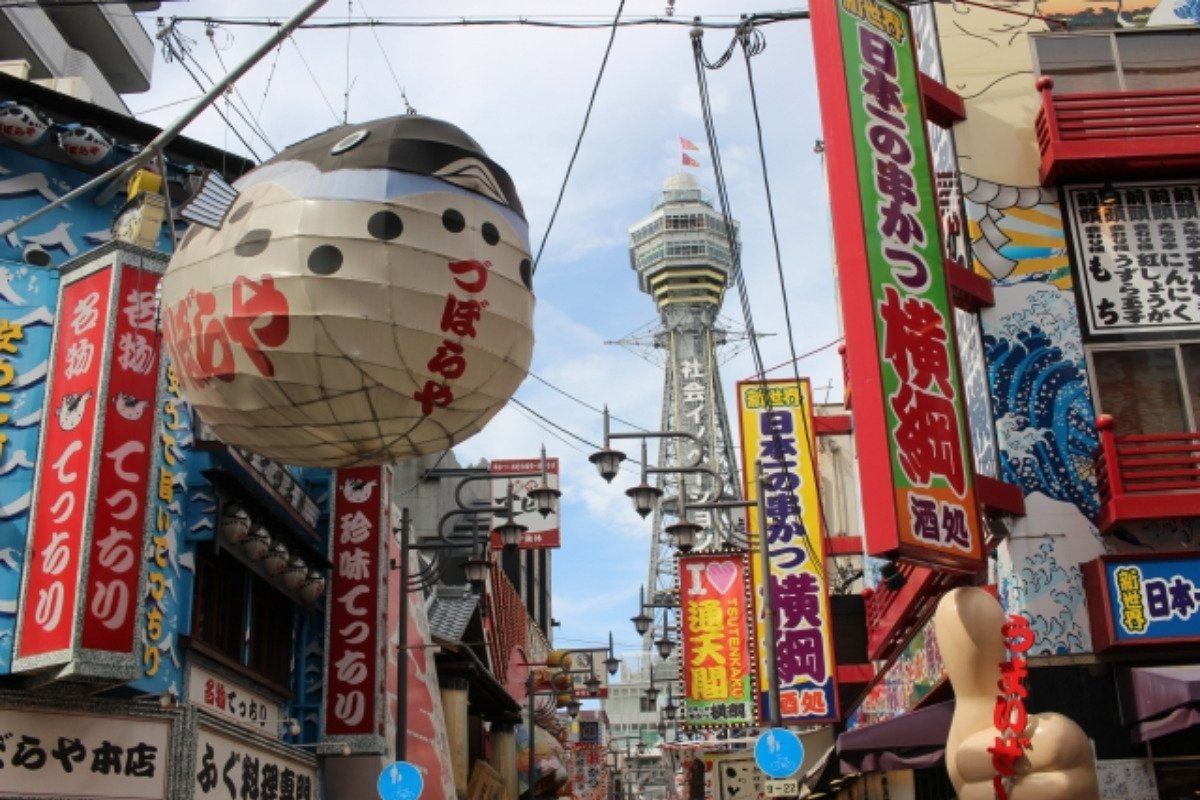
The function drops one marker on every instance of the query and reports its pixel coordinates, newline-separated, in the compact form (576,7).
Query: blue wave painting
(27,299)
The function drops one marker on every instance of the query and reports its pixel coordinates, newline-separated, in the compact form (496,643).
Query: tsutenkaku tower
(681,255)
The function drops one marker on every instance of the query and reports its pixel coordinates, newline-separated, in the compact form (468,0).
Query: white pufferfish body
(324,324)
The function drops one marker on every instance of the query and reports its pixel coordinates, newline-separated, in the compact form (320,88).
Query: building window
(241,617)
(1119,61)
(1147,390)
(646,706)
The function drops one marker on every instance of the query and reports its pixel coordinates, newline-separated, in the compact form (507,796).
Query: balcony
(1108,135)
(894,614)
(1145,477)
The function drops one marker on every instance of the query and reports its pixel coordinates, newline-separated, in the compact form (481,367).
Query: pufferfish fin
(472,175)
(210,202)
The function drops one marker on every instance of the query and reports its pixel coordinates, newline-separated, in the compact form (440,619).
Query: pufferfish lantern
(368,298)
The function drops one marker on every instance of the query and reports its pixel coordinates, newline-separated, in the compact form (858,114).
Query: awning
(914,740)
(1157,701)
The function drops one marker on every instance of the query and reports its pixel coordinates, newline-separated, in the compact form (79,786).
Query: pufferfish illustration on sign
(367,299)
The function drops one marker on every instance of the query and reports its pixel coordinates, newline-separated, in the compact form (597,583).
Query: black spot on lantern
(385,225)
(453,220)
(253,243)
(490,234)
(240,212)
(325,260)
(527,273)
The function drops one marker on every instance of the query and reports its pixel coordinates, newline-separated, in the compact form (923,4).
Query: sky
(522,93)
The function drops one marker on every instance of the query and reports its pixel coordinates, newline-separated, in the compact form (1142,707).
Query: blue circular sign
(779,753)
(400,781)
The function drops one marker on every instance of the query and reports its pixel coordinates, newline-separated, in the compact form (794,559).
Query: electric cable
(382,50)
(168,37)
(701,64)
(762,18)
(754,43)
(578,142)
(254,126)
(317,83)
(583,403)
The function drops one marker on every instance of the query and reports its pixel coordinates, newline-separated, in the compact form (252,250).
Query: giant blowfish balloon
(366,299)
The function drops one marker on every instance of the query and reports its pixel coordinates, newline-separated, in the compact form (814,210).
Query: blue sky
(522,93)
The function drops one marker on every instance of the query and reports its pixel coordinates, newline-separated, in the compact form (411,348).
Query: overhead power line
(561,22)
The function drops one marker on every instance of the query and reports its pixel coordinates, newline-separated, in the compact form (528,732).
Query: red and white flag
(687,145)
(688,161)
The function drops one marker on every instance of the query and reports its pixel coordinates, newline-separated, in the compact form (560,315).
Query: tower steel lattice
(681,255)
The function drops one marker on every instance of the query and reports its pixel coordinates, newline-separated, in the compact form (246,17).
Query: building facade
(94,51)
(1064,160)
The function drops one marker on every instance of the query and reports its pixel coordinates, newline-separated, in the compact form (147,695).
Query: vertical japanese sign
(28,297)
(718,675)
(779,433)
(83,562)
(544,531)
(910,424)
(356,637)
(1010,716)
(115,564)
(589,779)
(168,572)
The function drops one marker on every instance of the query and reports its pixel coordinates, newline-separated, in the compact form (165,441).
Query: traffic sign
(400,781)
(778,753)
(789,787)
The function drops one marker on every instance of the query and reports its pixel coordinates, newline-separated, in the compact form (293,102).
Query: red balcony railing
(1149,133)
(894,614)
(1146,477)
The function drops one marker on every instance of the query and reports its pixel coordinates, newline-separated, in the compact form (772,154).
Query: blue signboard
(779,753)
(1154,599)
(400,781)
(170,563)
(27,302)
(26,185)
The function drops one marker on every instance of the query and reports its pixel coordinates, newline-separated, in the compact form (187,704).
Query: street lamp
(475,568)
(665,645)
(612,663)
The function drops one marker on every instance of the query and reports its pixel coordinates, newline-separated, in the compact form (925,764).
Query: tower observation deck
(681,255)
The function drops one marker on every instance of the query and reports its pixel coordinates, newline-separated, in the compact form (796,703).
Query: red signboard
(65,466)
(111,604)
(84,558)
(542,531)
(718,673)
(357,637)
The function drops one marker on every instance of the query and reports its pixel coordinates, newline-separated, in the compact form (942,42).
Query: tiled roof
(451,612)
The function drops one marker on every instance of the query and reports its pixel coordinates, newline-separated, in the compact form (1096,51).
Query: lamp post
(683,532)
(612,663)
(475,568)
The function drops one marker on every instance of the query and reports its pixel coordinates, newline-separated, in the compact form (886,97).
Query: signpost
(779,753)
(789,787)
(400,781)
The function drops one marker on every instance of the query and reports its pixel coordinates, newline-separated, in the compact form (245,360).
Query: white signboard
(1137,247)
(48,754)
(788,787)
(542,531)
(232,702)
(229,769)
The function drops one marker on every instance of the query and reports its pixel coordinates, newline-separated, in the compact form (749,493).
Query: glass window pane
(1078,64)
(1160,60)
(1140,389)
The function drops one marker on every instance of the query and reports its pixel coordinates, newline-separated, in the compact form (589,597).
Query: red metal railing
(894,614)
(1146,477)
(1115,132)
